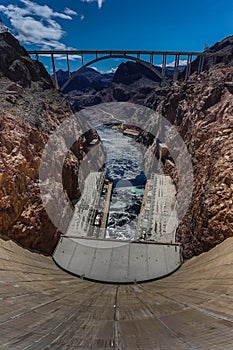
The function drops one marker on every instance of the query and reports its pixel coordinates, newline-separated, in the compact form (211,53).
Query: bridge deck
(113,52)
(135,55)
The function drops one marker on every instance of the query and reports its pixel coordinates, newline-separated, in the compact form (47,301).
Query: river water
(124,165)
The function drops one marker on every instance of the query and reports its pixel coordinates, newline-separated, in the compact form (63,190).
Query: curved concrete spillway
(154,253)
(42,307)
(115,261)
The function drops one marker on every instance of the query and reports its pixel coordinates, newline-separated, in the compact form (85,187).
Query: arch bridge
(146,58)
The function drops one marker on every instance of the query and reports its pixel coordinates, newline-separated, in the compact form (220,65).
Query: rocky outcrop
(223,53)
(202,111)
(28,116)
(131,82)
(129,72)
(17,65)
(87,80)
(25,127)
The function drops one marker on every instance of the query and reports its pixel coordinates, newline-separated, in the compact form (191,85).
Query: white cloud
(94,68)
(43,11)
(112,70)
(70,12)
(100,2)
(36,24)
(181,63)
(71,57)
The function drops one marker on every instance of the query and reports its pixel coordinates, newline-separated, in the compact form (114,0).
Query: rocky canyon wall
(201,109)
(30,110)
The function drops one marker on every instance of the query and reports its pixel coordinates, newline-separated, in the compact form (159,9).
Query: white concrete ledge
(117,261)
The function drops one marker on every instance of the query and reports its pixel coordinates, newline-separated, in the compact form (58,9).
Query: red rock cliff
(202,111)
(28,115)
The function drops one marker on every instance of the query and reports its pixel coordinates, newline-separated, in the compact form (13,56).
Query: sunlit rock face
(24,133)
(29,114)
(207,127)
(202,111)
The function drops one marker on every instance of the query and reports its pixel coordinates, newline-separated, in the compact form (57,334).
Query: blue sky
(118,24)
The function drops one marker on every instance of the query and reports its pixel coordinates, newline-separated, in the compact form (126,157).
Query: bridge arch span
(191,61)
(129,57)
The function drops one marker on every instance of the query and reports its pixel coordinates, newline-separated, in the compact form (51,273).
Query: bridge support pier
(188,68)
(201,64)
(68,64)
(176,68)
(54,71)
(164,65)
(152,59)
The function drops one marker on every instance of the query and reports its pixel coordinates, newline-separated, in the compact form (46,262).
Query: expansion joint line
(116,335)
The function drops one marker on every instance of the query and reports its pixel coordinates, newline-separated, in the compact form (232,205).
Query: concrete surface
(82,222)
(158,217)
(42,307)
(84,251)
(116,261)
